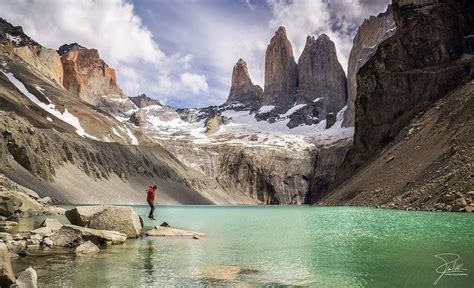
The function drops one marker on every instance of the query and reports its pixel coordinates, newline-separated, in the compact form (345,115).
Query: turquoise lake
(274,246)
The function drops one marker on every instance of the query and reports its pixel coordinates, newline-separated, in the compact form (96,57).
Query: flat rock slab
(168,231)
(72,236)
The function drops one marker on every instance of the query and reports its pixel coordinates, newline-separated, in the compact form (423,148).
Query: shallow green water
(276,246)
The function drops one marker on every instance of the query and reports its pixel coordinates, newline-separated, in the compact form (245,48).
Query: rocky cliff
(91,79)
(142,101)
(281,72)
(321,78)
(423,61)
(242,89)
(373,31)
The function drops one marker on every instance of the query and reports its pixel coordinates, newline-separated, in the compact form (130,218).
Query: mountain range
(311,136)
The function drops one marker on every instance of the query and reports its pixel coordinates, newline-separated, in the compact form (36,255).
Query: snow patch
(318,99)
(293,110)
(266,108)
(126,130)
(50,108)
(49,119)
(15,39)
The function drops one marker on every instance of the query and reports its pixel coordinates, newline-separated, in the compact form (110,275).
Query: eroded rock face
(47,61)
(87,76)
(373,31)
(281,71)
(242,89)
(116,218)
(321,77)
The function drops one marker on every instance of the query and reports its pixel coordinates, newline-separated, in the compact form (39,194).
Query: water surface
(274,246)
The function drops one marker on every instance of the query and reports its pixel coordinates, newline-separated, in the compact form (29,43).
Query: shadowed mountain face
(411,72)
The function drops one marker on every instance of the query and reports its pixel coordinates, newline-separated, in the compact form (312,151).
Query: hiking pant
(152,208)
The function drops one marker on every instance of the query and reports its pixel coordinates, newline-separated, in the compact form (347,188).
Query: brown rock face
(281,72)
(320,76)
(372,32)
(242,89)
(47,61)
(91,79)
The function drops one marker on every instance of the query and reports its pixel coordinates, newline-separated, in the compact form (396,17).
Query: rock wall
(321,77)
(281,72)
(373,31)
(267,175)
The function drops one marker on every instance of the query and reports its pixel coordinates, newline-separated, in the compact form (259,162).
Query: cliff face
(281,72)
(321,77)
(423,61)
(373,31)
(142,101)
(91,79)
(242,89)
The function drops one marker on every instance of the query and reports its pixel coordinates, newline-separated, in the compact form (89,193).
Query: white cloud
(113,28)
(194,82)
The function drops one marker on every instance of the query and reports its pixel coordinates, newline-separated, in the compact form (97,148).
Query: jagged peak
(68,47)
(324,37)
(281,31)
(241,62)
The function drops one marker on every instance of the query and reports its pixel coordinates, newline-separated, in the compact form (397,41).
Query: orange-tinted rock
(242,89)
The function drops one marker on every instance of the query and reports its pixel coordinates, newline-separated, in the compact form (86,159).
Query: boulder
(27,279)
(7,277)
(214,122)
(73,236)
(47,227)
(168,231)
(116,218)
(87,248)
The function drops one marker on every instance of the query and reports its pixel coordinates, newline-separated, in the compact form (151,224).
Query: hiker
(150,198)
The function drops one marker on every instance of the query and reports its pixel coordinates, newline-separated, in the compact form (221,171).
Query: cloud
(194,82)
(115,30)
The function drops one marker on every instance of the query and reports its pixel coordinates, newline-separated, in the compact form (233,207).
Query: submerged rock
(27,279)
(6,272)
(116,218)
(87,248)
(168,231)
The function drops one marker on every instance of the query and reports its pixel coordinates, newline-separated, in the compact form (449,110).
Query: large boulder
(27,279)
(116,218)
(86,249)
(7,277)
(73,236)
(47,227)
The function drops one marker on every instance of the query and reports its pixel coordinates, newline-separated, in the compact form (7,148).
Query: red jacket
(150,197)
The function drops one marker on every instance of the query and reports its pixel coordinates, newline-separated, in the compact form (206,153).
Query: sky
(182,51)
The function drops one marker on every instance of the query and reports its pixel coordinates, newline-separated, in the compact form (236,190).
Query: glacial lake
(275,246)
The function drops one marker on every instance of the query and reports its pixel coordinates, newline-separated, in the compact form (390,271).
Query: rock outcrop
(142,101)
(321,77)
(242,89)
(373,31)
(88,77)
(281,72)
(214,122)
(116,218)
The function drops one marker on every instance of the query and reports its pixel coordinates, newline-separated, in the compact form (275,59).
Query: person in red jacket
(150,198)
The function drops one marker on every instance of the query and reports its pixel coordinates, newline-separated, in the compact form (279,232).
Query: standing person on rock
(150,198)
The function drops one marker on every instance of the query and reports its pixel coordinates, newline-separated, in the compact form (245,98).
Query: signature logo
(450,267)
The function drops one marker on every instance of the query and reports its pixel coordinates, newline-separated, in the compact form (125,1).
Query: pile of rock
(456,202)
